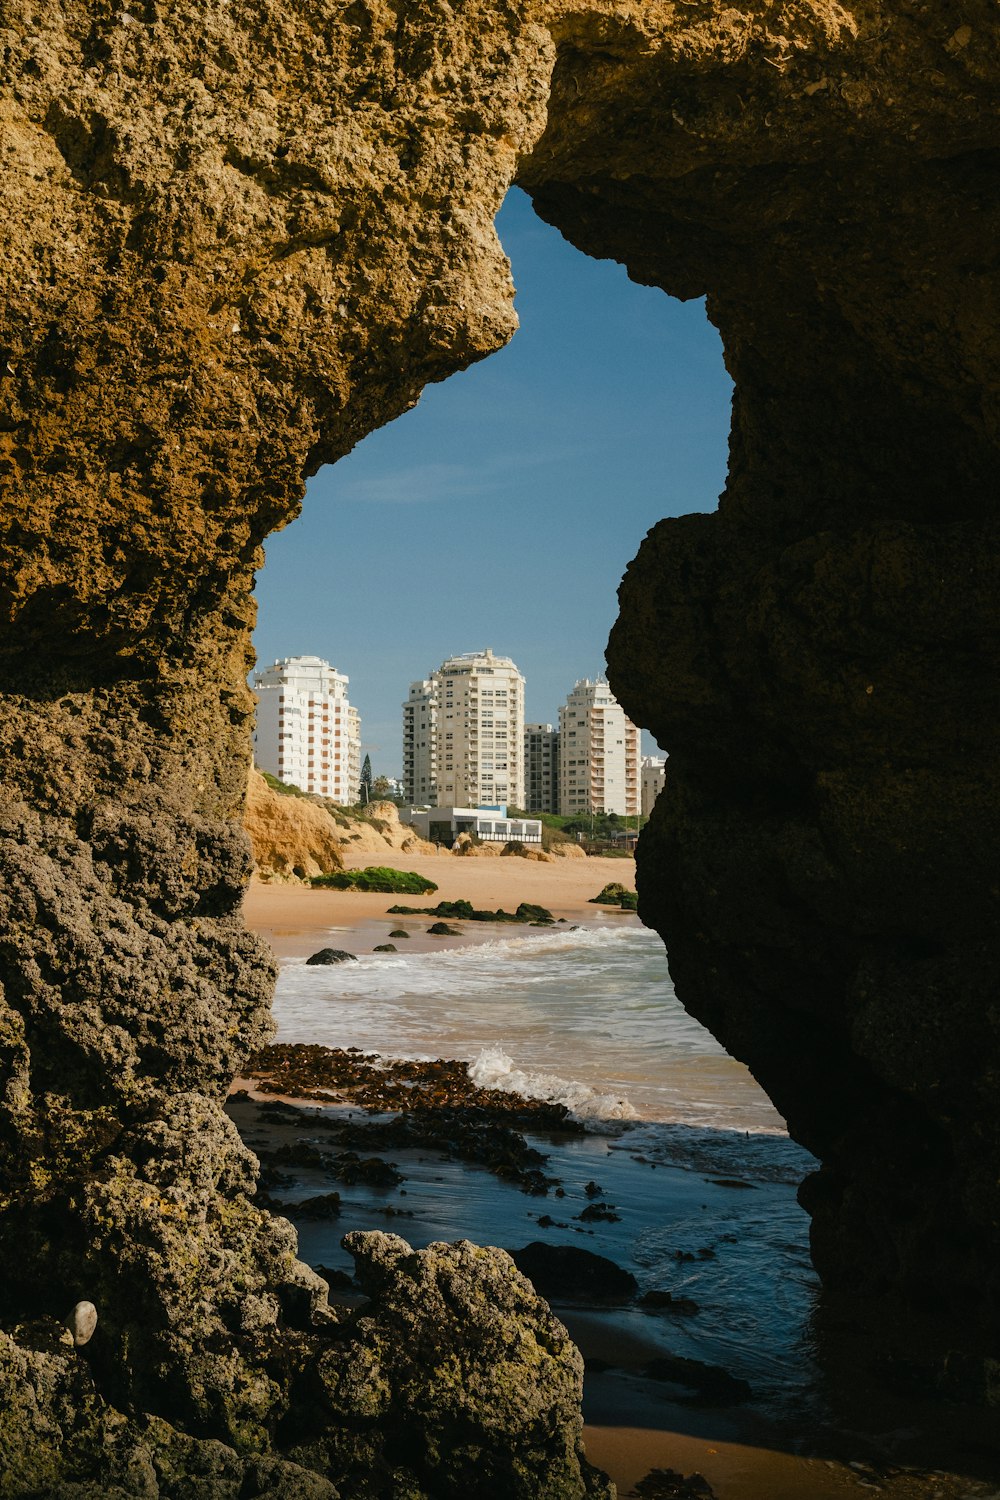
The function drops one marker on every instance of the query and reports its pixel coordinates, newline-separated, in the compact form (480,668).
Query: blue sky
(503,509)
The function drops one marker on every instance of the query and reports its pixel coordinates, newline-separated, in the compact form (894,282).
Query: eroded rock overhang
(240,236)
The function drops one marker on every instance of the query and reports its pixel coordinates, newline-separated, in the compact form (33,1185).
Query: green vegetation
(464,911)
(615,894)
(376,878)
(365,789)
(285,788)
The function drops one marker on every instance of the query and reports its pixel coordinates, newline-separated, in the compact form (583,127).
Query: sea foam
(494,1069)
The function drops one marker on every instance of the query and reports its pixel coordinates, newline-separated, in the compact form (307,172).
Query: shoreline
(632,1424)
(289,915)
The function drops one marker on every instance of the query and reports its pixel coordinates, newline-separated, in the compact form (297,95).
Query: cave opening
(503,510)
(507,504)
(244,235)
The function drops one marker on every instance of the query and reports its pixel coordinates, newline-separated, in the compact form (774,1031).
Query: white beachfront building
(306,732)
(463,734)
(599,750)
(654,775)
(442,825)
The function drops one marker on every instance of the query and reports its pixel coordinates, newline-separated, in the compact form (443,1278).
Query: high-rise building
(306,732)
(541,768)
(653,777)
(420,744)
(463,734)
(598,753)
(353,754)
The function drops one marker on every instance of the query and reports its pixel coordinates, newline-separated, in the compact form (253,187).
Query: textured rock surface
(239,236)
(380,833)
(820,657)
(455,1380)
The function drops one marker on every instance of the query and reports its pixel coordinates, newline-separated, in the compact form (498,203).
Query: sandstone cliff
(294,838)
(291,837)
(380,832)
(239,236)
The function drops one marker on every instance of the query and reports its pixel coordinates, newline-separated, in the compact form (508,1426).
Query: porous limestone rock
(820,657)
(59,1439)
(563,849)
(465,847)
(239,236)
(468,1382)
(380,832)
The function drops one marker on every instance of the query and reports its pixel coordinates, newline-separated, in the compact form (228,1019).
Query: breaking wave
(494,1069)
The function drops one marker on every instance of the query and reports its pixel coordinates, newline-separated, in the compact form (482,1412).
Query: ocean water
(683,1146)
(680,1137)
(586,1016)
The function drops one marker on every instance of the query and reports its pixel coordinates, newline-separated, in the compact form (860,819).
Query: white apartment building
(541,768)
(306,732)
(470,712)
(599,751)
(653,776)
(353,786)
(420,744)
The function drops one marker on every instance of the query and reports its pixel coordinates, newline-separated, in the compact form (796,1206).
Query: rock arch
(238,237)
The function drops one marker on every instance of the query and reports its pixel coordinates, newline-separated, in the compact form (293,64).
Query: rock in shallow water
(458,1379)
(573,1274)
(331,956)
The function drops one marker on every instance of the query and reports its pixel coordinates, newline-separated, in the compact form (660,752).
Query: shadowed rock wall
(821,657)
(237,238)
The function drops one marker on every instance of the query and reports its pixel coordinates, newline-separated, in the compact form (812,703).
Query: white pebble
(81,1323)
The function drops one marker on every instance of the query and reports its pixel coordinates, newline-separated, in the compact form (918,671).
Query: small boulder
(668,1484)
(323,1206)
(528,911)
(398,932)
(659,1301)
(332,956)
(385,948)
(457,1379)
(574,1275)
(711,1384)
(442,929)
(599,1213)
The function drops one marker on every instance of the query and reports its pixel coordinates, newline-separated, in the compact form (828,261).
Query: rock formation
(820,657)
(293,838)
(379,834)
(238,237)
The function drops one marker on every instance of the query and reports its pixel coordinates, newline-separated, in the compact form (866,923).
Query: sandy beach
(633,1424)
(287,914)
